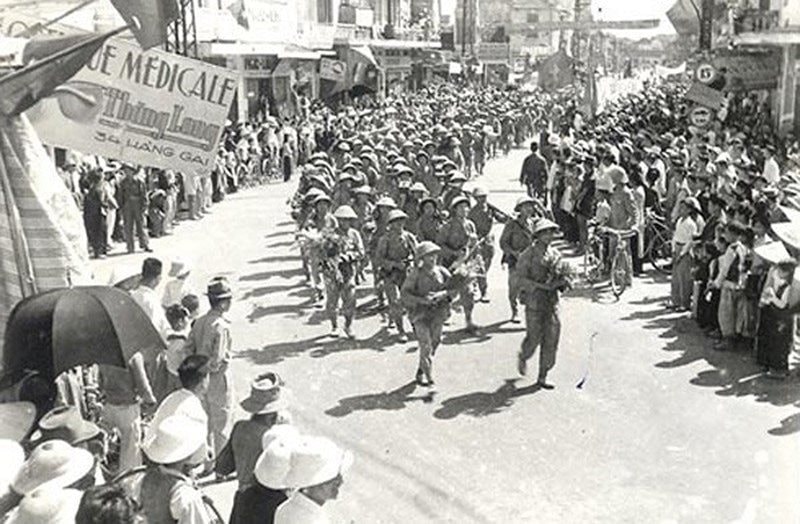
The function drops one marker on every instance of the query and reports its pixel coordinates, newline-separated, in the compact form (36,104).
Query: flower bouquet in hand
(563,276)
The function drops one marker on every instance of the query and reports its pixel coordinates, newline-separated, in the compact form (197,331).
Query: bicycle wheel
(658,253)
(619,274)
(588,266)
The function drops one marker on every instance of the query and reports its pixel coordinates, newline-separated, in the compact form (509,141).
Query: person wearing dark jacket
(534,173)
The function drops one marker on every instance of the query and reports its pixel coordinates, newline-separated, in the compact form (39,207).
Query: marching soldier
(411,206)
(365,224)
(454,189)
(394,255)
(517,237)
(426,293)
(483,218)
(382,208)
(318,221)
(341,255)
(429,223)
(458,241)
(540,284)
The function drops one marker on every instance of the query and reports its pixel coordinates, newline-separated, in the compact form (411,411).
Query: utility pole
(576,35)
(706,24)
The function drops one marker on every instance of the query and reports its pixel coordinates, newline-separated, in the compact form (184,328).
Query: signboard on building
(492,53)
(705,96)
(332,69)
(745,70)
(250,21)
(148,107)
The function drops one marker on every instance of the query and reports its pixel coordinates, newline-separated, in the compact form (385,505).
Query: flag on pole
(239,12)
(556,71)
(148,19)
(22,88)
(684,17)
(42,239)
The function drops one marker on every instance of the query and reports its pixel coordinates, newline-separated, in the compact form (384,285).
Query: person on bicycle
(623,216)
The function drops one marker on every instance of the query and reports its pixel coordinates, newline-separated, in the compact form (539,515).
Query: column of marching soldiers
(393,207)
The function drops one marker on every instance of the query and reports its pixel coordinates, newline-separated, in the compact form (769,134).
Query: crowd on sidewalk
(390,191)
(164,423)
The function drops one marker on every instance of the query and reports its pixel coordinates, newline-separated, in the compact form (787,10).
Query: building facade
(773,26)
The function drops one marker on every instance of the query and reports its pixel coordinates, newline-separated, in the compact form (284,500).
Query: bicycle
(596,261)
(621,264)
(658,238)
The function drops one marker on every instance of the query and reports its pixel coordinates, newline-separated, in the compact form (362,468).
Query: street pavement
(663,428)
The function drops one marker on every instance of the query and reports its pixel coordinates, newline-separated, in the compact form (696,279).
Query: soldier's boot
(402,336)
(348,328)
(471,326)
(483,287)
(334,329)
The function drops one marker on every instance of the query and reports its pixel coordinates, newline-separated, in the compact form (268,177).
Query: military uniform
(133,193)
(483,218)
(454,237)
(427,318)
(517,236)
(427,228)
(319,223)
(542,323)
(211,336)
(339,271)
(394,254)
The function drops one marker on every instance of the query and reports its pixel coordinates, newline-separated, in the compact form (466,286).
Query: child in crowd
(729,283)
(705,263)
(176,288)
(192,305)
(168,362)
(776,326)
(747,305)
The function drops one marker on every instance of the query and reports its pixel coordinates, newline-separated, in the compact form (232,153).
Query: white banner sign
(332,69)
(147,107)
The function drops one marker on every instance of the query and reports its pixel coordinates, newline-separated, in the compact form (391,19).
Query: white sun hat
(53,464)
(280,431)
(176,438)
(13,459)
(47,506)
(273,465)
(316,460)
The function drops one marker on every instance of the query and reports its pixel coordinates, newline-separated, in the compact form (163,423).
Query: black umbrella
(60,329)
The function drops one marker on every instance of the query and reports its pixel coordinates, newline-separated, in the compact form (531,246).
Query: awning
(404,44)
(259,48)
(299,52)
(241,48)
(784,36)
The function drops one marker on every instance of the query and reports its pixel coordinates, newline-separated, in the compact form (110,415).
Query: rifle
(465,264)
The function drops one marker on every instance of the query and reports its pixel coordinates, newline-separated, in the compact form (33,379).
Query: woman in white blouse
(686,228)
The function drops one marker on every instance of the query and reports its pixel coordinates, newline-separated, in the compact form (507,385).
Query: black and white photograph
(399,261)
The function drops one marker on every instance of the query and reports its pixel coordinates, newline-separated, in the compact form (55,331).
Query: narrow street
(663,426)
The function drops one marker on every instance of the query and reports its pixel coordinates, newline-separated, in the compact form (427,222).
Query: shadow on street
(732,373)
(484,403)
(385,401)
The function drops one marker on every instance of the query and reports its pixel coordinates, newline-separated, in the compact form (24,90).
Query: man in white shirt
(145,295)
(190,190)
(772,172)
